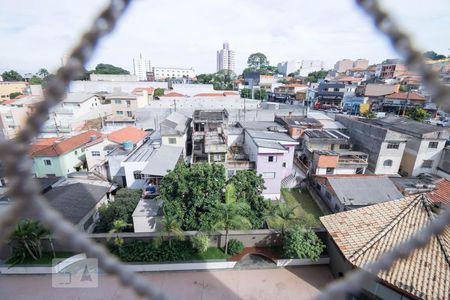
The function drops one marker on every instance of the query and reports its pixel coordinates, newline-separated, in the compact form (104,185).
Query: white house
(175,130)
(147,215)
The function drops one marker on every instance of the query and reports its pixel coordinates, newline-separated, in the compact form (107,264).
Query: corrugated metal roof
(162,160)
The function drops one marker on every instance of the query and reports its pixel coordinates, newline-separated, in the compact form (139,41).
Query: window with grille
(433,145)
(95,153)
(47,162)
(393,146)
(172,140)
(387,163)
(427,164)
(137,174)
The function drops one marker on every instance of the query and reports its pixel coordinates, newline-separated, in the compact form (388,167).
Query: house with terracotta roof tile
(401,101)
(97,150)
(359,237)
(61,156)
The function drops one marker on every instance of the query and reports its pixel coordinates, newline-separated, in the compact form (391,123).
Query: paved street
(288,283)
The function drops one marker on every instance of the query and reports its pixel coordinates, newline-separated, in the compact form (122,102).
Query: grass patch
(45,259)
(306,210)
(211,253)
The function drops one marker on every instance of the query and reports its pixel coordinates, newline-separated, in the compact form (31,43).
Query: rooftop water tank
(127,145)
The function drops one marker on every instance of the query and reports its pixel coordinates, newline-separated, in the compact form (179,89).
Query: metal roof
(78,97)
(175,124)
(162,160)
(269,144)
(270,135)
(407,126)
(325,134)
(263,126)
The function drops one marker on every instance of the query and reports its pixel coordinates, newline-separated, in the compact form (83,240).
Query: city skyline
(49,27)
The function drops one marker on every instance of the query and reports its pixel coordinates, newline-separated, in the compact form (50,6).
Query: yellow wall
(8,87)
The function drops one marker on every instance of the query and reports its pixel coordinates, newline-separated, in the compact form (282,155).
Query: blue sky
(36,34)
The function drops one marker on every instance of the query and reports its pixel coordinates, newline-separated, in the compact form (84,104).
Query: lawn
(211,253)
(46,258)
(306,210)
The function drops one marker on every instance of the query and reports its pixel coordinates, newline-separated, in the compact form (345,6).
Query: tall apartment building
(304,67)
(361,63)
(226,58)
(343,65)
(141,66)
(161,73)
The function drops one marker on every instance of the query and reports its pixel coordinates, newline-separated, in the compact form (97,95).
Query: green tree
(121,208)
(257,60)
(260,94)
(246,93)
(109,69)
(36,80)
(26,240)
(14,95)
(249,187)
(417,113)
(191,195)
(170,227)
(285,216)
(283,81)
(12,76)
(368,114)
(158,92)
(433,55)
(43,73)
(230,214)
(223,80)
(299,242)
(118,226)
(205,78)
(315,76)
(200,242)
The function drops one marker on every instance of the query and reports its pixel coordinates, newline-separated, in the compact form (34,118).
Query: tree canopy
(417,113)
(315,76)
(12,76)
(109,69)
(433,55)
(14,95)
(257,62)
(194,195)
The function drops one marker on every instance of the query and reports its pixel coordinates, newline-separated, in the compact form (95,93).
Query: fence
(26,194)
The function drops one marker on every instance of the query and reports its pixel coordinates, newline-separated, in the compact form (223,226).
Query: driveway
(282,283)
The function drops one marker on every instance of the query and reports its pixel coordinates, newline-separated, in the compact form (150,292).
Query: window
(137,174)
(119,112)
(47,162)
(128,103)
(50,175)
(76,152)
(330,171)
(268,175)
(387,163)
(95,153)
(284,164)
(359,170)
(8,117)
(117,101)
(427,164)
(217,157)
(129,113)
(393,145)
(433,144)
(172,140)
(344,146)
(271,158)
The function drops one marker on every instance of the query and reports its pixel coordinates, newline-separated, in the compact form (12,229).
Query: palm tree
(230,214)
(118,226)
(170,227)
(286,215)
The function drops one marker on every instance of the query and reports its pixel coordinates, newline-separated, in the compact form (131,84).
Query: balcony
(352,159)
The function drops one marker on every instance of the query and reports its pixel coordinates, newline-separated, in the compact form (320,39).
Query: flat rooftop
(326,134)
(215,115)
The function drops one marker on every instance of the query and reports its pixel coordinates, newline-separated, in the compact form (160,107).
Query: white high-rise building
(141,66)
(226,58)
(303,67)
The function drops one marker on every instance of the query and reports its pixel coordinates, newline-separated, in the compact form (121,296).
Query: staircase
(290,181)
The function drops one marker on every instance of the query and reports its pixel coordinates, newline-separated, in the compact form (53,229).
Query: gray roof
(270,135)
(78,97)
(175,124)
(142,153)
(148,208)
(212,115)
(363,190)
(75,201)
(162,160)
(269,144)
(262,126)
(325,134)
(407,126)
(299,120)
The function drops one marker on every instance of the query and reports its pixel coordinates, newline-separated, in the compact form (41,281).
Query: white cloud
(188,33)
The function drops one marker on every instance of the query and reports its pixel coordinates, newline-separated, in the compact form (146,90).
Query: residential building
(330,94)
(208,136)
(443,168)
(175,131)
(12,120)
(148,215)
(359,237)
(60,156)
(361,63)
(330,152)
(162,73)
(113,77)
(424,147)
(226,58)
(296,125)
(400,102)
(77,104)
(343,65)
(384,146)
(97,150)
(124,106)
(149,163)
(302,67)
(346,192)
(289,93)
(141,66)
(376,92)
(392,70)
(9,87)
(272,150)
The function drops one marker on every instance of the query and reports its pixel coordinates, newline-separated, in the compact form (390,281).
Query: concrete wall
(130,167)
(99,147)
(219,102)
(418,150)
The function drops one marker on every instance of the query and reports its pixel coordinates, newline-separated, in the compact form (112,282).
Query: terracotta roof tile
(364,234)
(173,94)
(129,133)
(59,147)
(405,96)
(441,194)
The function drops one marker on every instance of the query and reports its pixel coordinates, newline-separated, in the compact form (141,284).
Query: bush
(200,243)
(143,251)
(299,242)
(235,247)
